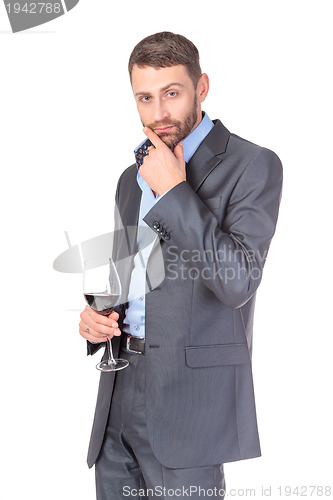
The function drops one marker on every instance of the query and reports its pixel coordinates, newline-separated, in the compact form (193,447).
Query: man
(185,404)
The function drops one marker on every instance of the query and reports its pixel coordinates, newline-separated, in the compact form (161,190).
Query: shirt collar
(193,141)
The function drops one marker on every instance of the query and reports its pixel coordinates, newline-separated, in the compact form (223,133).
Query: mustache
(162,124)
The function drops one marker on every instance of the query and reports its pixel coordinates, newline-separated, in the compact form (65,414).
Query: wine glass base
(108,366)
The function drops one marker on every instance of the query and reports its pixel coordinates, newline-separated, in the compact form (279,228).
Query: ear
(202,87)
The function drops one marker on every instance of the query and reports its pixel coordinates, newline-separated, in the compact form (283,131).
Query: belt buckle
(128,340)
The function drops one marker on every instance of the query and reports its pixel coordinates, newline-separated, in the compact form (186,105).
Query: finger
(92,338)
(97,332)
(114,315)
(179,151)
(91,320)
(156,141)
(100,327)
(97,318)
(90,331)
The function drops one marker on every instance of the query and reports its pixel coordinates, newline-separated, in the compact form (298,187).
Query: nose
(160,110)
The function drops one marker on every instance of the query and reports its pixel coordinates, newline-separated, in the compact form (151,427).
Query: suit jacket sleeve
(232,251)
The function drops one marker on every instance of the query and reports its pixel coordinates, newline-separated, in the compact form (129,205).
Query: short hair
(166,49)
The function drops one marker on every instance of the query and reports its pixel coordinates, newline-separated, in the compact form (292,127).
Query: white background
(65,98)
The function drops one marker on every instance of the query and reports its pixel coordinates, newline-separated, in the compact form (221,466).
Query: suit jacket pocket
(213,203)
(217,355)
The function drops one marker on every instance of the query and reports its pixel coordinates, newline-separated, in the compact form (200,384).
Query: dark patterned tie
(142,152)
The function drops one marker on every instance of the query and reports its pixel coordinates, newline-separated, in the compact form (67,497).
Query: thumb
(178,151)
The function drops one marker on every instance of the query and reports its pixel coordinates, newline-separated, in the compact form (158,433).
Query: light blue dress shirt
(134,321)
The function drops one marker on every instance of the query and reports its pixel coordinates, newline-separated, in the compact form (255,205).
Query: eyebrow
(172,84)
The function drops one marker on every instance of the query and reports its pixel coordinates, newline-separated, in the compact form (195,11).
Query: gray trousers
(127,467)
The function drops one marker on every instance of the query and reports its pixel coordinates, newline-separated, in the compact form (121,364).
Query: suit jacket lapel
(206,156)
(131,205)
(125,244)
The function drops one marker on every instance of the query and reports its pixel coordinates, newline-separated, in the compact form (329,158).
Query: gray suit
(214,233)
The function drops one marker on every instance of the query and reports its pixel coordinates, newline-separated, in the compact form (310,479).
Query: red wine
(103,303)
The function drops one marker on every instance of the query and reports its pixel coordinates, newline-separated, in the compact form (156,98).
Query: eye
(172,93)
(145,98)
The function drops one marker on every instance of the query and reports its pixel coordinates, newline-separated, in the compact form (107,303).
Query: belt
(132,344)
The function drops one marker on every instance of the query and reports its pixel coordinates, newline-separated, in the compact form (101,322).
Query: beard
(182,128)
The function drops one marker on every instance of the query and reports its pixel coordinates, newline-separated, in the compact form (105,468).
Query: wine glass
(102,290)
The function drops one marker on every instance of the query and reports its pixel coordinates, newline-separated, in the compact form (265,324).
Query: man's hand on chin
(162,169)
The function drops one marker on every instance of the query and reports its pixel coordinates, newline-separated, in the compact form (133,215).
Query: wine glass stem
(110,353)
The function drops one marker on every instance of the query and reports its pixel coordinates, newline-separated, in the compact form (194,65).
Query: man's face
(167,101)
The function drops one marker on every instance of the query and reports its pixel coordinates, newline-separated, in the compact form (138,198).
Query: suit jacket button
(156,225)
(163,232)
(167,236)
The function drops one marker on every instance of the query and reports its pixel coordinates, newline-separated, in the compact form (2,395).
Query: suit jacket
(214,231)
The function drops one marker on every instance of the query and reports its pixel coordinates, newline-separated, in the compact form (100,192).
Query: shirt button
(137,327)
